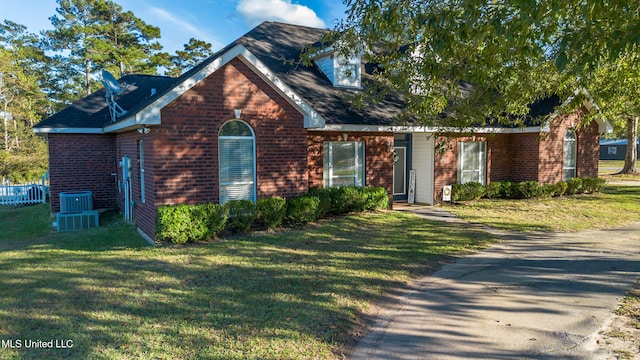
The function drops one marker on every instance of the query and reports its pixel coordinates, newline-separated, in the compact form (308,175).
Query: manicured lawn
(617,205)
(296,294)
(607,167)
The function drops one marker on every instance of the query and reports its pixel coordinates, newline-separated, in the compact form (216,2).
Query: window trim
(359,162)
(141,170)
(482,161)
(221,138)
(573,142)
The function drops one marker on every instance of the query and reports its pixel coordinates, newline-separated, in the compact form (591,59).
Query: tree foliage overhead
(195,51)
(22,154)
(513,52)
(42,73)
(98,34)
(616,84)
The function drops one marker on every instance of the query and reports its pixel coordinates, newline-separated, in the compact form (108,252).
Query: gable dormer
(343,72)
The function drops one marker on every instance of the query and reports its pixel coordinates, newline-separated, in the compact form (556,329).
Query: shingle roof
(92,111)
(278,46)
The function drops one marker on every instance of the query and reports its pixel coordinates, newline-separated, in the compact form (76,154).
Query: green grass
(609,169)
(617,205)
(296,294)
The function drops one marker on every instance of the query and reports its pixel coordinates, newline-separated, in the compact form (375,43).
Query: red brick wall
(144,213)
(588,150)
(523,156)
(378,159)
(82,162)
(186,144)
(552,148)
(499,157)
(445,170)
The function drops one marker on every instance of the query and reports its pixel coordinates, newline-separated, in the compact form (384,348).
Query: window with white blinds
(343,163)
(570,155)
(472,162)
(237,162)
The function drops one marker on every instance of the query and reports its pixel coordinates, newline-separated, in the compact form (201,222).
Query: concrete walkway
(530,296)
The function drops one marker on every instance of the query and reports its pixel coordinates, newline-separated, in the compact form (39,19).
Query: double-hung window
(237,161)
(472,162)
(343,163)
(570,152)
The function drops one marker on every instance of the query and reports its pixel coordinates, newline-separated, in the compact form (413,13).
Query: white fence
(22,194)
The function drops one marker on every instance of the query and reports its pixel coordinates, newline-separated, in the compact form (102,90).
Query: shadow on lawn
(297,294)
(262,296)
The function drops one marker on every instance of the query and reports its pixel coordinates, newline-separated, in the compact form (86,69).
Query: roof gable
(272,50)
(91,115)
(150,114)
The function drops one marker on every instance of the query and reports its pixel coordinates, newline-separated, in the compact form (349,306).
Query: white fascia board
(151,114)
(50,130)
(134,122)
(428,129)
(364,128)
(604,126)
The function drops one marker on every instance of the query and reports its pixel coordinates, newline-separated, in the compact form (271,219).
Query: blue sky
(218,22)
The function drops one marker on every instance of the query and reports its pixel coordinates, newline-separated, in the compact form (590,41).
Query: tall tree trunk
(631,156)
(87,68)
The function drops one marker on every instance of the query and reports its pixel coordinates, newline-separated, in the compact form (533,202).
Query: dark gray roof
(278,46)
(92,111)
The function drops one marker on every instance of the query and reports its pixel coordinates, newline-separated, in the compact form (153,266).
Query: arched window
(237,161)
(570,155)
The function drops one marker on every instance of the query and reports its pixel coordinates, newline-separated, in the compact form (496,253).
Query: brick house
(247,124)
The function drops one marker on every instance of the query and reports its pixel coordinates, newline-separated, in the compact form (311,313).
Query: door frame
(403,140)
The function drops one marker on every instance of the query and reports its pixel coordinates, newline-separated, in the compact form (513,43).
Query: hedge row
(525,189)
(185,223)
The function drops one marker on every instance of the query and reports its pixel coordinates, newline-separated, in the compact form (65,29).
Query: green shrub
(346,199)
(324,206)
(182,223)
(592,185)
(493,190)
(548,190)
(599,184)
(376,198)
(560,188)
(242,214)
(509,190)
(467,191)
(272,211)
(302,209)
(529,189)
(174,224)
(216,217)
(574,186)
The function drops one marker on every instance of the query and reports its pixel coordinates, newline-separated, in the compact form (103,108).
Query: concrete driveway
(530,296)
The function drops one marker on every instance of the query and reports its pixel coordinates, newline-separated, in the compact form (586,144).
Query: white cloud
(256,11)
(182,27)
